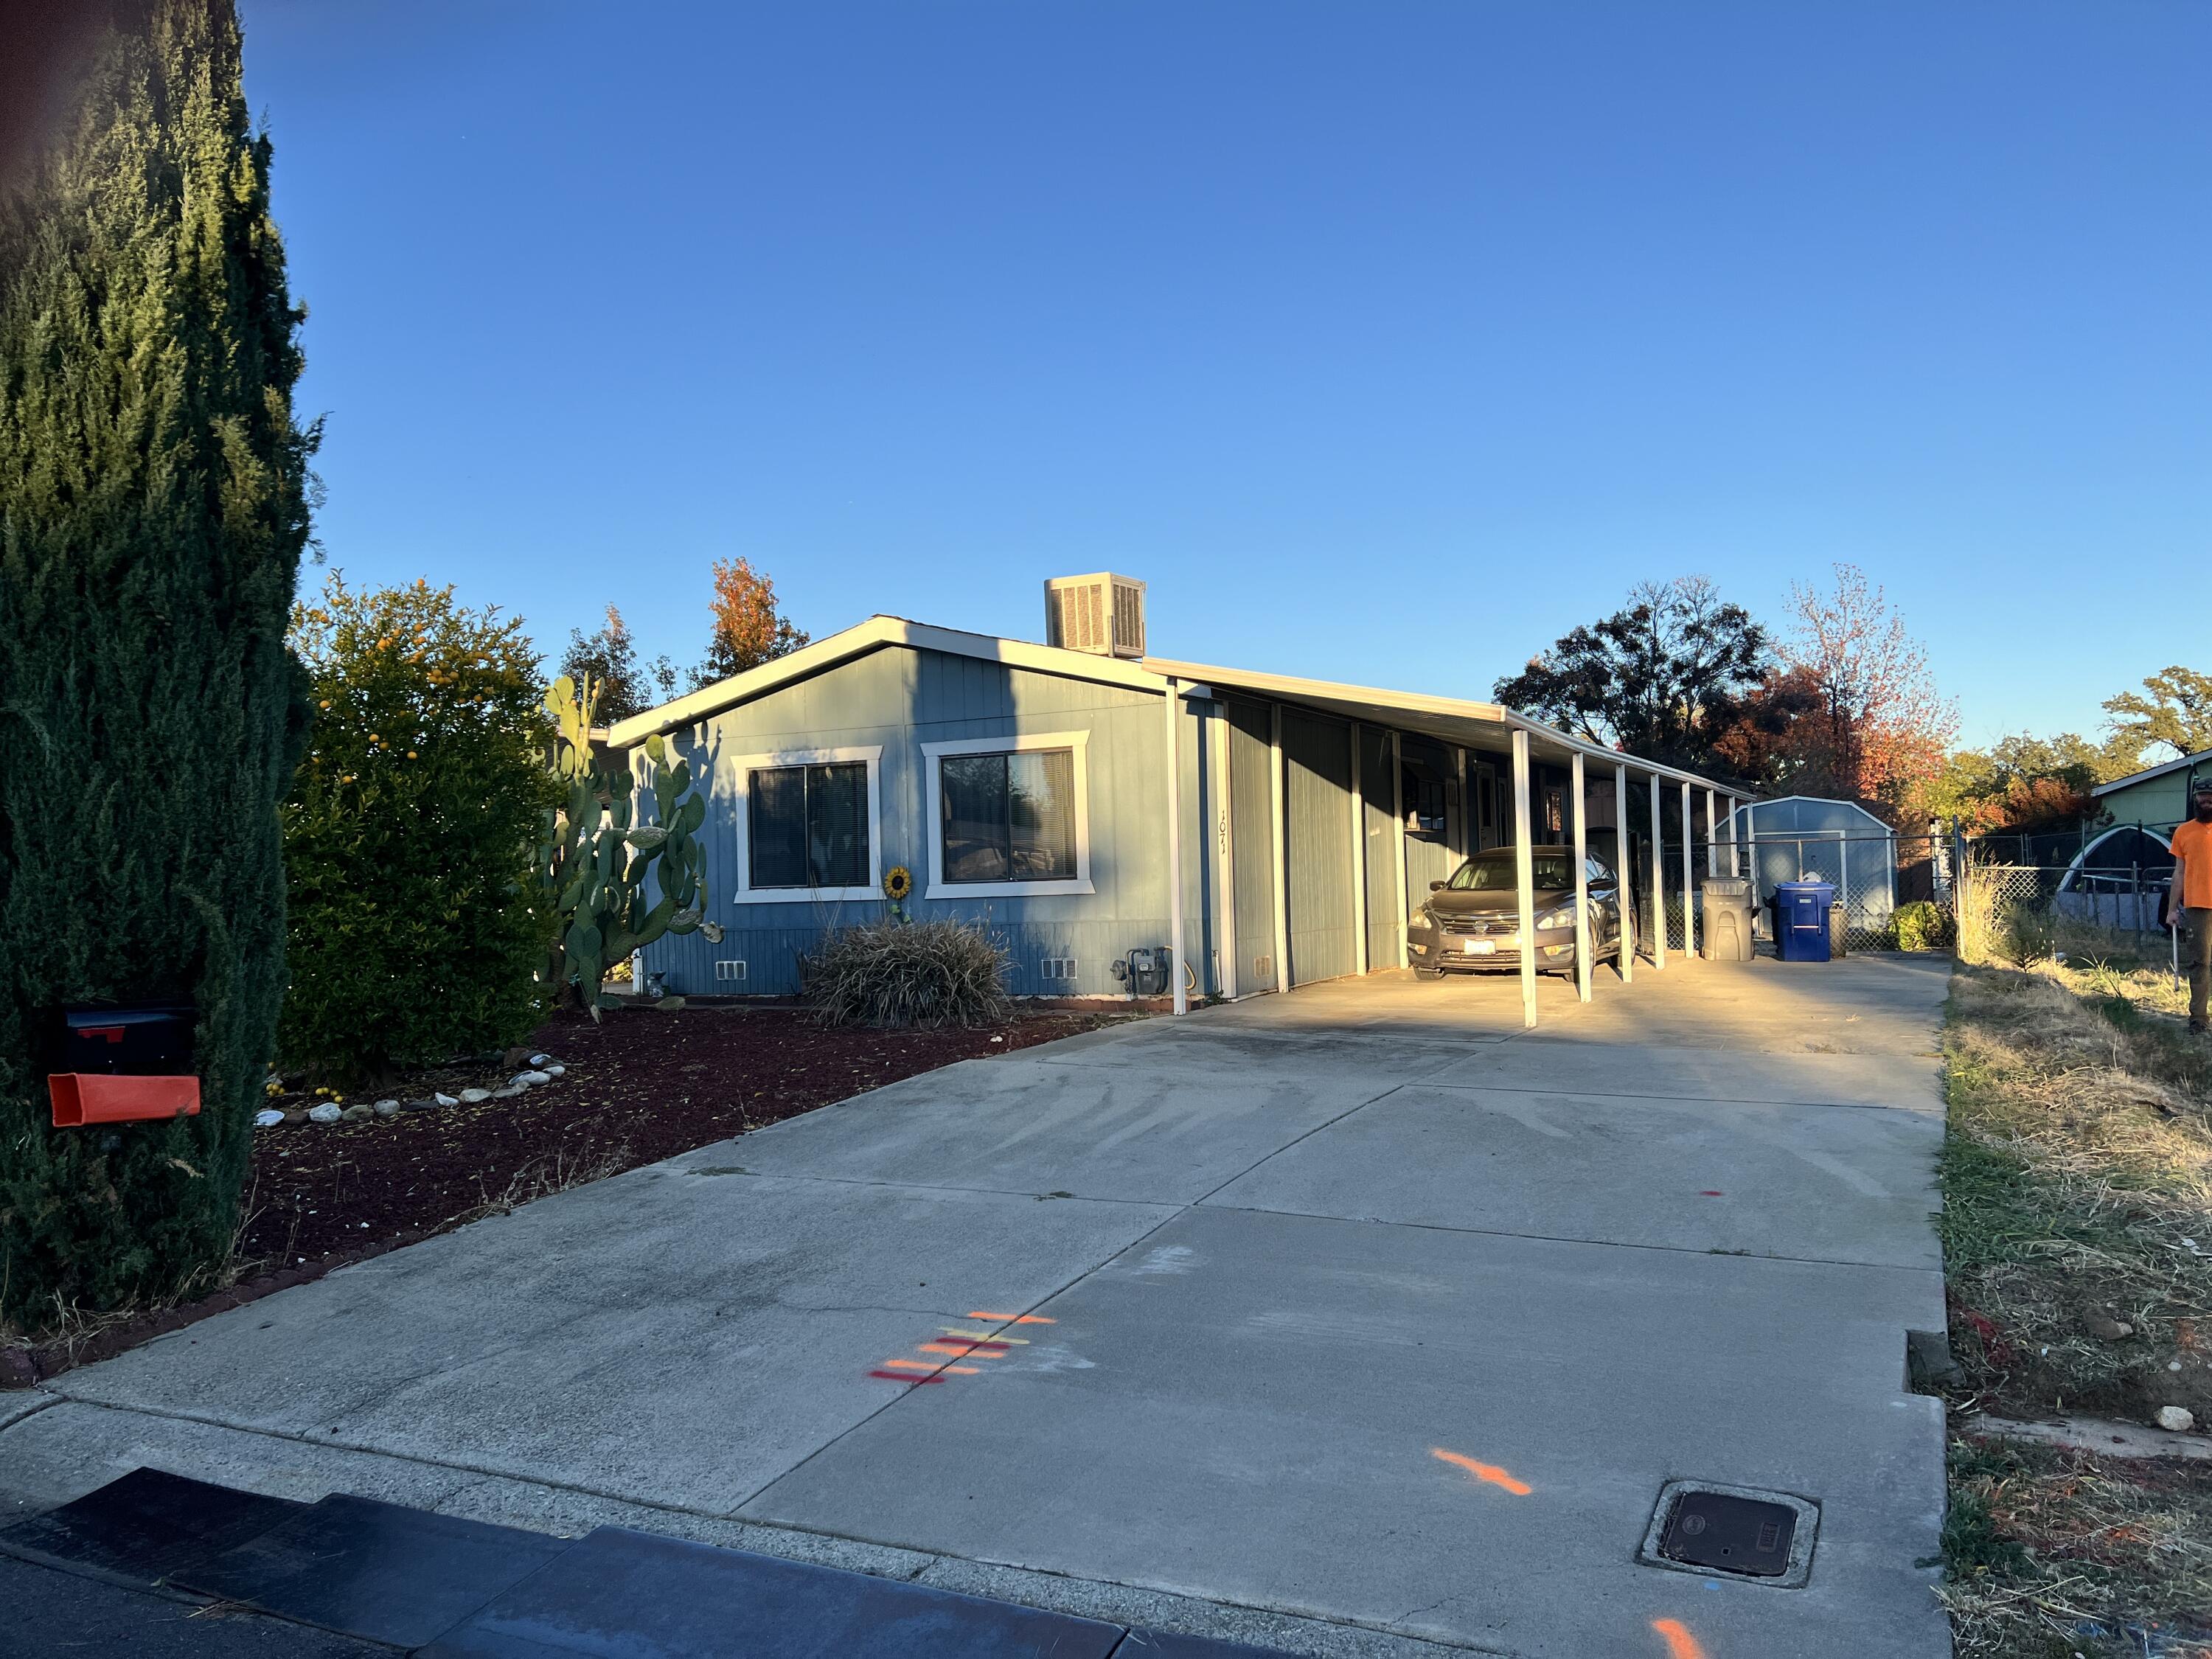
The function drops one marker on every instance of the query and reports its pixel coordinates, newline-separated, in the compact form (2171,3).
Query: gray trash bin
(1727,906)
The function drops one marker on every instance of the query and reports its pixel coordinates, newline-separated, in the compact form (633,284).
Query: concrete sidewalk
(1270,1261)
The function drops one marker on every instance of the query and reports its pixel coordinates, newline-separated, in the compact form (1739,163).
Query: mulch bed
(641,1086)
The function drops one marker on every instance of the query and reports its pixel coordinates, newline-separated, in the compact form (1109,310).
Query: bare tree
(1880,728)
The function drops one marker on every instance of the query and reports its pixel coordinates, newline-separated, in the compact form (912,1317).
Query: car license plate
(1481,947)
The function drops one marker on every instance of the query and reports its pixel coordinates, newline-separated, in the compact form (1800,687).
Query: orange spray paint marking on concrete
(1681,1644)
(961,1350)
(1490,1472)
(983,1336)
(925,1365)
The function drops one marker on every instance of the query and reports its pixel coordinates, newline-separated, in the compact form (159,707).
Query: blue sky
(1384,342)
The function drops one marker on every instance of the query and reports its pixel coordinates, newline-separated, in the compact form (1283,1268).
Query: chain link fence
(1899,891)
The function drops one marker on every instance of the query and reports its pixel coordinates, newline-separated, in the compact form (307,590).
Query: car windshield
(1493,873)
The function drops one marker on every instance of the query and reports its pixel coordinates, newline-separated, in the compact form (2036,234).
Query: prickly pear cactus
(593,858)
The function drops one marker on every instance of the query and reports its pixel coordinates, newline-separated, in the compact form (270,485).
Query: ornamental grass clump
(930,973)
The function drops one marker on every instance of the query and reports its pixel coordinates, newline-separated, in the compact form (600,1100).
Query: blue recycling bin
(1801,920)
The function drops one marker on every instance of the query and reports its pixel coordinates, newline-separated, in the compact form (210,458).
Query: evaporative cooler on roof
(1102,614)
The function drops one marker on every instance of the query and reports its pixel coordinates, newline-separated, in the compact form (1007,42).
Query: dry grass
(559,1171)
(892,975)
(2060,1554)
(2077,1198)
(2077,1234)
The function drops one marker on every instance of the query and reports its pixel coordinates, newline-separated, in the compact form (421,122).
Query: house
(1087,801)
(2156,798)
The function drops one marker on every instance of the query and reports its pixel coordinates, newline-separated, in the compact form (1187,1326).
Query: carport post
(1689,901)
(1275,853)
(1713,839)
(1225,857)
(1751,860)
(1524,879)
(1622,886)
(1173,702)
(1466,809)
(1658,881)
(1358,859)
(1398,842)
(1581,884)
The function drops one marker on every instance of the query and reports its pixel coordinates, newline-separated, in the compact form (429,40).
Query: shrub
(1921,926)
(415,932)
(154,501)
(929,974)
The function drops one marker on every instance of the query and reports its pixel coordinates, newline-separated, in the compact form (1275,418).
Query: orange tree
(415,932)
(748,630)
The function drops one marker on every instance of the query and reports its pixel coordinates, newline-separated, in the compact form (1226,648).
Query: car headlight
(1556,919)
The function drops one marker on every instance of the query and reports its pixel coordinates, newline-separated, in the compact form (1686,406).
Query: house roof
(874,634)
(1451,719)
(2148,773)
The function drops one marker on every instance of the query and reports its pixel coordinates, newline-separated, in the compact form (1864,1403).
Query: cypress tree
(153,509)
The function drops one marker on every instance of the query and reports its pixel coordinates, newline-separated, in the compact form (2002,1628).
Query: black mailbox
(155,1040)
(121,1064)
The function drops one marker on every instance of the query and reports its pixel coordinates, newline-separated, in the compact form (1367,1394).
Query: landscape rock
(445,1100)
(267,1118)
(386,1109)
(470,1096)
(2106,1328)
(532,1079)
(360,1111)
(430,1105)
(515,1059)
(556,1069)
(295,1115)
(541,1060)
(2177,1418)
(508,1092)
(324,1113)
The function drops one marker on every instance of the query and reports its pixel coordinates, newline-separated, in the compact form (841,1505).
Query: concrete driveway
(1353,1321)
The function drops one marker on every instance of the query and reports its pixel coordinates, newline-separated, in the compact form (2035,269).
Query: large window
(1007,816)
(807,826)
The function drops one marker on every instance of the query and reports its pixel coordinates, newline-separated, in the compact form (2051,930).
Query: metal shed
(1812,838)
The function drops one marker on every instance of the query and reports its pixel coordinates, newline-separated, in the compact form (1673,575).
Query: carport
(1331,807)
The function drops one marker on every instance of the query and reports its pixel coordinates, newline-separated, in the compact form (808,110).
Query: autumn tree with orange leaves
(748,630)
(1877,730)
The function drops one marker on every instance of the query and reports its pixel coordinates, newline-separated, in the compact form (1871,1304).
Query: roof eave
(1294,688)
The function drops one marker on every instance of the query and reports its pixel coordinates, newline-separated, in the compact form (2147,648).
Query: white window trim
(745,892)
(933,806)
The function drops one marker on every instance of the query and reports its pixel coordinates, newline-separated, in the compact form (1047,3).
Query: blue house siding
(897,700)
(1378,846)
(1317,805)
(1252,842)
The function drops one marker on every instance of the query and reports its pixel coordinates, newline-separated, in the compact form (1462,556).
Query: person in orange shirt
(2190,899)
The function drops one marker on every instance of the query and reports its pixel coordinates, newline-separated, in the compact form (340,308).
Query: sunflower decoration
(898,883)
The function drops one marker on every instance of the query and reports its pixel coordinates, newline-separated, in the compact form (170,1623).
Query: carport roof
(1450,720)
